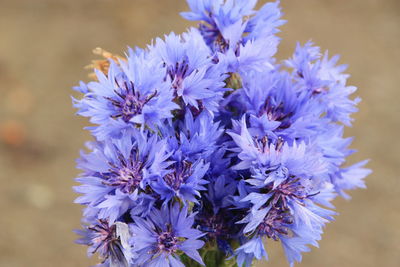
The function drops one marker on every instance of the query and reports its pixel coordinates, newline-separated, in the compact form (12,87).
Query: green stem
(212,257)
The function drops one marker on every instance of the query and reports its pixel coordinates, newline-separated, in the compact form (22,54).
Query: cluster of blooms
(206,148)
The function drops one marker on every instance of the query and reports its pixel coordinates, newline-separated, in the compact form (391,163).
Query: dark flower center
(107,242)
(276,223)
(277,112)
(167,242)
(279,216)
(127,175)
(214,225)
(264,143)
(105,237)
(178,73)
(181,172)
(291,188)
(213,37)
(129,102)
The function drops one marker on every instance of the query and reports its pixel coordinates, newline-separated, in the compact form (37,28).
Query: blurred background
(44,45)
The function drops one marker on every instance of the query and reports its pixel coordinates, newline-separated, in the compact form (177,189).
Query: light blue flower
(158,239)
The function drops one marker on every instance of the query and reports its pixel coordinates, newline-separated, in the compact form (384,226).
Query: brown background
(44,45)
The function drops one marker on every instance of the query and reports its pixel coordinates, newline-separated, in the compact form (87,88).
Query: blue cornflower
(276,158)
(243,38)
(286,178)
(286,213)
(325,81)
(223,20)
(117,171)
(194,137)
(184,180)
(131,93)
(111,242)
(159,239)
(188,70)
(191,142)
(276,107)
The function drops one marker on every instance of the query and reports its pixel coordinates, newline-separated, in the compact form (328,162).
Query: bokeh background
(44,45)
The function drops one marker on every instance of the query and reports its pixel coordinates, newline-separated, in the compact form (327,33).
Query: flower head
(158,239)
(111,242)
(192,77)
(184,180)
(132,93)
(117,172)
(243,38)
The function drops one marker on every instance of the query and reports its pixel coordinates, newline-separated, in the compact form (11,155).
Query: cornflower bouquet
(206,146)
